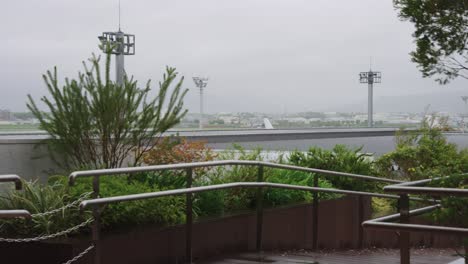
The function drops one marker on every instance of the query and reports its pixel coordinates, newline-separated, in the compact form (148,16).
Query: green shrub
(383,206)
(39,198)
(232,200)
(172,150)
(236,199)
(342,159)
(454,211)
(238,173)
(211,203)
(276,196)
(94,122)
(159,211)
(423,154)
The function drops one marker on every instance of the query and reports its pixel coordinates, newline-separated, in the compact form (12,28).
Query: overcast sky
(260,55)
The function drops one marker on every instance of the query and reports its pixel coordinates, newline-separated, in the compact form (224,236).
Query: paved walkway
(426,256)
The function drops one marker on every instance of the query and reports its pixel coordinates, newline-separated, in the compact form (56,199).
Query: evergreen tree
(96,123)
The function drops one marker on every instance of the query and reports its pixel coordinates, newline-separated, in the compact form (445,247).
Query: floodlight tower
(370,78)
(120,44)
(201,83)
(465,99)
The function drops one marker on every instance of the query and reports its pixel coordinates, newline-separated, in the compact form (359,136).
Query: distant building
(5,115)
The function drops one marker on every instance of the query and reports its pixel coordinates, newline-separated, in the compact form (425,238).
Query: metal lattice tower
(201,83)
(121,44)
(370,78)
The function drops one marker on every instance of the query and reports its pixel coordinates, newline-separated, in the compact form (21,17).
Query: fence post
(404,239)
(188,218)
(259,210)
(315,201)
(360,220)
(96,227)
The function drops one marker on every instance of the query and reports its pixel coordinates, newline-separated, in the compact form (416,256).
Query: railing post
(188,218)
(259,210)
(360,220)
(315,202)
(404,239)
(96,228)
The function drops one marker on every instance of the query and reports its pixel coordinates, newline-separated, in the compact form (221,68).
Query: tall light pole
(121,44)
(201,83)
(465,99)
(370,78)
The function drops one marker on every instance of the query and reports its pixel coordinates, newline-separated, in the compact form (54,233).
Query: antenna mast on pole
(370,78)
(122,44)
(201,83)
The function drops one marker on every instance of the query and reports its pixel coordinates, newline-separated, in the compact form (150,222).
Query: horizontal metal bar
(14,214)
(415,183)
(413,188)
(328,172)
(395,217)
(327,190)
(141,196)
(380,223)
(418,228)
(426,190)
(12,178)
(179,166)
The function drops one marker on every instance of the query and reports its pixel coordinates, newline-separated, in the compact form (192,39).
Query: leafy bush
(96,123)
(159,211)
(171,210)
(340,158)
(454,211)
(423,154)
(275,197)
(38,198)
(172,150)
(228,201)
(239,173)
(237,199)
(219,202)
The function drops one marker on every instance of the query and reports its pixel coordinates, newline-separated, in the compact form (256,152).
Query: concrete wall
(29,160)
(25,154)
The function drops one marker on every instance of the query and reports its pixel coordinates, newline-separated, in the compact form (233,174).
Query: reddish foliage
(179,150)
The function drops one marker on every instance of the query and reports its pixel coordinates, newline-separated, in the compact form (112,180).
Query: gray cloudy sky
(260,55)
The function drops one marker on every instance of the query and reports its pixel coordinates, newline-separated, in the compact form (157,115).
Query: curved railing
(180,166)
(402,189)
(12,178)
(189,190)
(18,185)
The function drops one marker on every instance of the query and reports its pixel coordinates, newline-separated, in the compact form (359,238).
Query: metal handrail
(403,189)
(414,188)
(12,178)
(18,185)
(97,202)
(179,166)
(188,167)
(142,196)
(15,214)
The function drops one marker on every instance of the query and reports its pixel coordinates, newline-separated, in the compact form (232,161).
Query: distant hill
(449,101)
